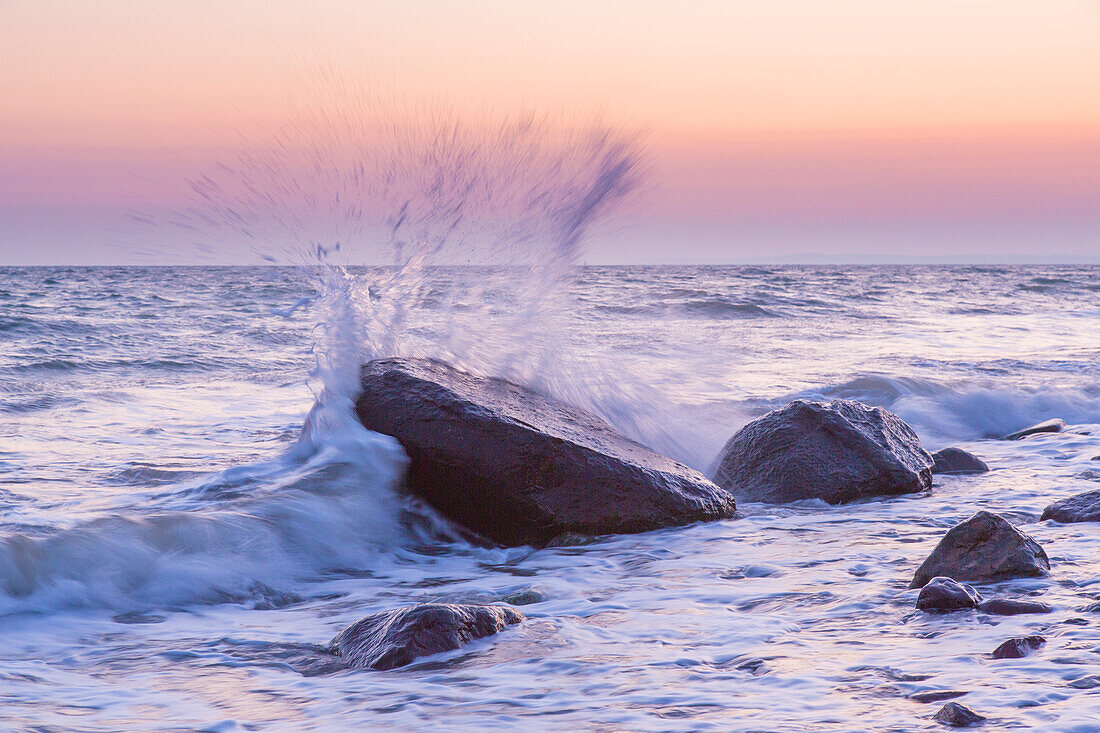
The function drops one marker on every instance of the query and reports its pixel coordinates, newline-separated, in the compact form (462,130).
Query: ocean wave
(331,501)
(697,308)
(718,308)
(941,413)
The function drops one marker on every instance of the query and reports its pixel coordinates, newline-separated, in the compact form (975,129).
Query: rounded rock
(839,452)
(395,638)
(945,594)
(956,461)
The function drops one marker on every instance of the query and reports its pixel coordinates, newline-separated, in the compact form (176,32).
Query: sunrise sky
(851,130)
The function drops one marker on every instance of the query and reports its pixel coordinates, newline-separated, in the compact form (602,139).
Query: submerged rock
(838,452)
(983,549)
(958,716)
(1006,607)
(521,468)
(945,594)
(1018,646)
(936,695)
(395,638)
(957,461)
(1056,425)
(1083,507)
(1087,682)
(525,597)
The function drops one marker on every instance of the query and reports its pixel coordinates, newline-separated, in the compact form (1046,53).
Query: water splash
(470,230)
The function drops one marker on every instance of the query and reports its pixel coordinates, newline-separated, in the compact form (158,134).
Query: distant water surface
(172,554)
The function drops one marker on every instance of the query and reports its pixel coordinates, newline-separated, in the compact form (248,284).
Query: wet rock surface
(1018,646)
(984,548)
(956,461)
(839,451)
(395,638)
(936,695)
(957,716)
(1056,425)
(521,468)
(944,594)
(1084,507)
(1008,607)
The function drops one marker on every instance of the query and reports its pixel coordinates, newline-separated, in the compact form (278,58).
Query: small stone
(1007,607)
(958,716)
(1084,507)
(525,597)
(945,594)
(1056,425)
(936,695)
(1018,646)
(956,461)
(395,638)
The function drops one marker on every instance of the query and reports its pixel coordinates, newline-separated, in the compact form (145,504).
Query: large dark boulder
(395,638)
(839,452)
(1077,508)
(521,468)
(957,461)
(983,549)
(945,594)
(1056,425)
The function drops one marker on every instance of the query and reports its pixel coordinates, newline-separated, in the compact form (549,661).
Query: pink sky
(960,128)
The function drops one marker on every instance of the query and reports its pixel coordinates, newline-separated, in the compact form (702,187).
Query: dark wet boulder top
(957,716)
(982,549)
(1083,507)
(1056,425)
(945,594)
(395,638)
(839,451)
(521,468)
(957,461)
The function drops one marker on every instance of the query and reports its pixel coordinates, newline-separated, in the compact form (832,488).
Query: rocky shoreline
(517,467)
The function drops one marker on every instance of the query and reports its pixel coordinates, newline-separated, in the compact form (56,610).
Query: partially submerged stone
(1087,682)
(956,461)
(958,716)
(395,638)
(1084,507)
(839,451)
(936,695)
(983,549)
(945,594)
(1008,607)
(1056,425)
(1018,646)
(521,468)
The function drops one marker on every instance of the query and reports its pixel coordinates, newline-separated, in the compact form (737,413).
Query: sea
(189,512)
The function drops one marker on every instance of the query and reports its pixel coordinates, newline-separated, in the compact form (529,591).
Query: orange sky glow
(778,115)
